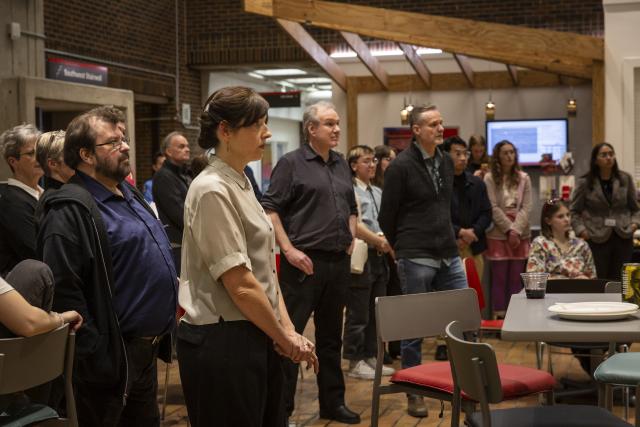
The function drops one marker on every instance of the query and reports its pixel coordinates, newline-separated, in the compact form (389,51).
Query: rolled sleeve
(218,232)
(227,263)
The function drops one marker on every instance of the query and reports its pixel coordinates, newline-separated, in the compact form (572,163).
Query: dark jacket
(415,220)
(170,186)
(73,241)
(477,201)
(17,227)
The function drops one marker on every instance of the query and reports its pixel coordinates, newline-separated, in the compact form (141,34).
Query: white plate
(598,310)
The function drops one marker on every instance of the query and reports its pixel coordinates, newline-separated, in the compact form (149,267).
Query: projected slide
(532,138)
(526,139)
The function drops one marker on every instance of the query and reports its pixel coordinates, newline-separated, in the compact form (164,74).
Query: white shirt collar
(360,184)
(33,192)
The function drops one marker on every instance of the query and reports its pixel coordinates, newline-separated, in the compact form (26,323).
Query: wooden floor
(392,407)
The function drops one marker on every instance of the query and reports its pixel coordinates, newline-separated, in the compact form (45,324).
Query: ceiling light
(490,109)
(321,94)
(324,87)
(255,75)
(428,51)
(282,72)
(345,54)
(572,107)
(309,80)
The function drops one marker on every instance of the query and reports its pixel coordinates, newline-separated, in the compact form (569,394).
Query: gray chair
(28,362)
(426,315)
(475,372)
(619,370)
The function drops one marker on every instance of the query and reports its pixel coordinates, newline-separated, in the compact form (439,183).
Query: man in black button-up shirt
(313,209)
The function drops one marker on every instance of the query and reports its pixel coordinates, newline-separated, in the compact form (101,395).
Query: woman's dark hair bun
(237,105)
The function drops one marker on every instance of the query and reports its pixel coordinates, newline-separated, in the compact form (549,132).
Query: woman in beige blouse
(509,191)
(236,326)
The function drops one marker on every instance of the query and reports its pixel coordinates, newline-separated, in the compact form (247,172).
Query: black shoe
(341,414)
(387,359)
(441,353)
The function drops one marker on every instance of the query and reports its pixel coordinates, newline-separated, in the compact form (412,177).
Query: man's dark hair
(156,156)
(453,140)
(82,134)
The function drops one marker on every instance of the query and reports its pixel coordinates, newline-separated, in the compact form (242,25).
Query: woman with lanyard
(236,326)
(605,212)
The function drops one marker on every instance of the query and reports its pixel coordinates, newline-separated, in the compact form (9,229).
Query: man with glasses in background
(111,262)
(19,196)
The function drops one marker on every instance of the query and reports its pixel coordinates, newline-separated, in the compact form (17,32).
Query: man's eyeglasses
(28,153)
(115,144)
(370,162)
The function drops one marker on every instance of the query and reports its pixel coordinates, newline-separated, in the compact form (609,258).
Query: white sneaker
(362,370)
(386,370)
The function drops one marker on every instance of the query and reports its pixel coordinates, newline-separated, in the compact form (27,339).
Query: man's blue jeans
(415,279)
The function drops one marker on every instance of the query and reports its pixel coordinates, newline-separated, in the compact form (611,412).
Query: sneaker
(361,370)
(441,353)
(416,407)
(386,370)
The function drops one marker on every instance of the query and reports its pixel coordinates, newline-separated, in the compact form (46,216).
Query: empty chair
(477,375)
(621,369)
(426,315)
(28,362)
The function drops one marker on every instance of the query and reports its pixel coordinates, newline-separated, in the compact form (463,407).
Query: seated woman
(557,251)
(25,301)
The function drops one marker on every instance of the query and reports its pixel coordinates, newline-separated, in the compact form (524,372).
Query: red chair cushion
(517,381)
(492,324)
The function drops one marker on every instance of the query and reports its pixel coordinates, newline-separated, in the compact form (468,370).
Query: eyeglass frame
(115,145)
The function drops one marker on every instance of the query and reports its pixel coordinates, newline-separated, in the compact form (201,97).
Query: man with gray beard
(112,262)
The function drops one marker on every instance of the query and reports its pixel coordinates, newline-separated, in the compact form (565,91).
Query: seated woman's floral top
(546,256)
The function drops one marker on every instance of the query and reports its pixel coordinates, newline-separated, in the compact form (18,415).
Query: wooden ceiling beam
(317,53)
(465,67)
(457,81)
(513,72)
(545,50)
(371,62)
(416,62)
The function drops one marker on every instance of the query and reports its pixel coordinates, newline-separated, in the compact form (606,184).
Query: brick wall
(139,33)
(219,33)
(235,37)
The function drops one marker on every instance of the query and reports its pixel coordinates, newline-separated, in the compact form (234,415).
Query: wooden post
(352,113)
(597,103)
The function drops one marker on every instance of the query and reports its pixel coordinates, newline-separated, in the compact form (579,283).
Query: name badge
(609,222)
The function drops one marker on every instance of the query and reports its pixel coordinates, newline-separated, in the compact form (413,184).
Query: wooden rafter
(545,50)
(456,81)
(513,72)
(316,52)
(465,67)
(416,62)
(360,48)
